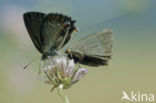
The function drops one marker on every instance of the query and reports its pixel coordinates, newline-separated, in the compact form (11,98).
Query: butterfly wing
(98,44)
(55,32)
(32,22)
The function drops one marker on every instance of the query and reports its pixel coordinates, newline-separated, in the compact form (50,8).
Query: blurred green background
(131,69)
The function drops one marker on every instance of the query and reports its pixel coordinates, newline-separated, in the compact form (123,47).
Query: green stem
(65,98)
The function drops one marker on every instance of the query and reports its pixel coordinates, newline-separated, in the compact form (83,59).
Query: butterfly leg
(39,72)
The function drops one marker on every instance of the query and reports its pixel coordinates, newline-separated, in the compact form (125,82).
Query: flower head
(61,70)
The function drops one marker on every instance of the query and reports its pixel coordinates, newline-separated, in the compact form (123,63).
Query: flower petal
(70,68)
(79,74)
(61,63)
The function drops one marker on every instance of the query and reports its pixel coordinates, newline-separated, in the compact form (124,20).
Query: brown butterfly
(49,32)
(93,50)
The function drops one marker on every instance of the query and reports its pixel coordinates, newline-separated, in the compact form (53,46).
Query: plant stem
(65,98)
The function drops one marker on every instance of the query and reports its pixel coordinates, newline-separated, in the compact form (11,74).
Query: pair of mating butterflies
(51,32)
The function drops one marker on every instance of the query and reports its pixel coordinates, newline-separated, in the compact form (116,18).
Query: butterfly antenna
(30,63)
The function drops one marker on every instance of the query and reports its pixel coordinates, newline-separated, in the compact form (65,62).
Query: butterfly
(49,32)
(93,50)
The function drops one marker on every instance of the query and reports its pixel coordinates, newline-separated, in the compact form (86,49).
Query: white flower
(61,70)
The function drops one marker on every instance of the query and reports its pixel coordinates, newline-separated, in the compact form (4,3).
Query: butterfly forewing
(98,44)
(32,22)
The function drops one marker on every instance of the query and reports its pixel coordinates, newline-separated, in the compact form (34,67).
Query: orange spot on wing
(62,20)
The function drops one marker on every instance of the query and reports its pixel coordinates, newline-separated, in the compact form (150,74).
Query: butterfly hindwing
(55,31)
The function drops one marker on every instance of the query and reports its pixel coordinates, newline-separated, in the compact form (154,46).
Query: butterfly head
(68,52)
